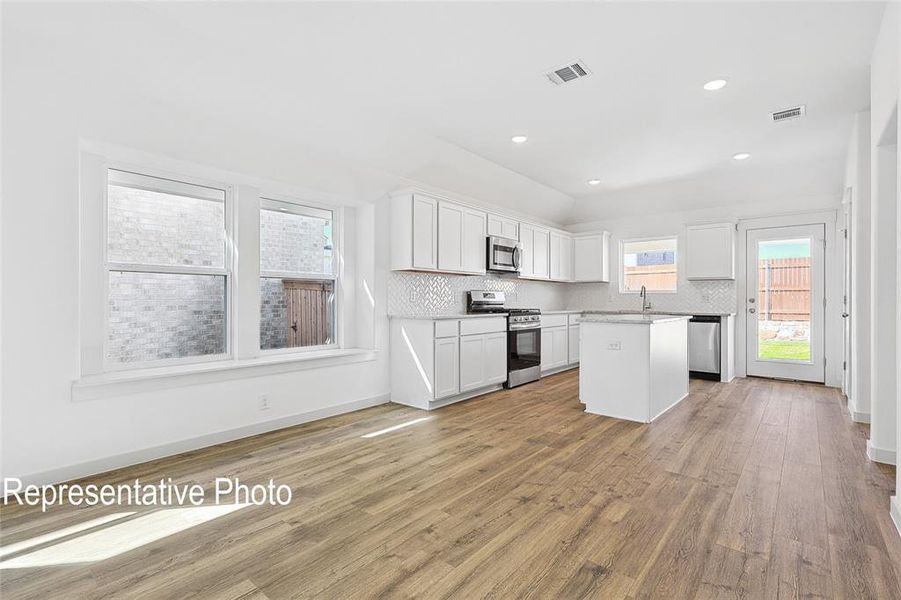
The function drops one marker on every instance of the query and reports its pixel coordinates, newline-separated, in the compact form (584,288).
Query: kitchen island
(633,366)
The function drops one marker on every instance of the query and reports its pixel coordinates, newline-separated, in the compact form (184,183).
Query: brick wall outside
(157,316)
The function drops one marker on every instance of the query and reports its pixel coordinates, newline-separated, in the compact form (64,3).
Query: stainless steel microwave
(504,255)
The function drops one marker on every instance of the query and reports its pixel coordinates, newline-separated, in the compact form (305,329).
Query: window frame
(228,269)
(622,262)
(301,207)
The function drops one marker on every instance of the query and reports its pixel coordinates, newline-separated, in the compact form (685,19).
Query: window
(297,276)
(166,269)
(649,263)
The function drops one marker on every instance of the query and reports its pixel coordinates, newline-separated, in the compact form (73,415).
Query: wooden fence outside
(309,313)
(784,289)
(654,277)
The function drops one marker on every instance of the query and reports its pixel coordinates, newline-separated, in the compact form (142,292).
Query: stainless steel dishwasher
(704,347)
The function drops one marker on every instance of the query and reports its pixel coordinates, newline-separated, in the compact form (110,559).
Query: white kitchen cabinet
(504,227)
(447,365)
(710,251)
(573,357)
(591,257)
(461,239)
(526,242)
(438,361)
(540,253)
(554,348)
(414,232)
(483,360)
(561,257)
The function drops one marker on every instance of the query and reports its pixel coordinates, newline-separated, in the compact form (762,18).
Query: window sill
(106,385)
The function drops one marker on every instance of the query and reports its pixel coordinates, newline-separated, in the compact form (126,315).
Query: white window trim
(245,358)
(622,263)
(313,209)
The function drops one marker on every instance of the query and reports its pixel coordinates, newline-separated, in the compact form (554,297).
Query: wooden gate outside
(309,316)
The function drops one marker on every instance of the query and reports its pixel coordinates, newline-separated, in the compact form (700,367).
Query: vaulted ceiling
(432,92)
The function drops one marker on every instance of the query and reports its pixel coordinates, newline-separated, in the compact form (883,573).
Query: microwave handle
(517,251)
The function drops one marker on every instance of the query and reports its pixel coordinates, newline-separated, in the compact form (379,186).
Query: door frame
(833,274)
(847,299)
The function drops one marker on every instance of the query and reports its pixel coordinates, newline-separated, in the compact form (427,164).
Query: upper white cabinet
(591,257)
(561,257)
(535,243)
(414,232)
(710,251)
(428,234)
(504,227)
(461,238)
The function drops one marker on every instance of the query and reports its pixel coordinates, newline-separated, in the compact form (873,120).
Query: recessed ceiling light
(741,156)
(716,84)
(519,139)
(594,182)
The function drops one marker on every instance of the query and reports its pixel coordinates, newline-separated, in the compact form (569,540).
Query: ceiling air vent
(789,113)
(569,72)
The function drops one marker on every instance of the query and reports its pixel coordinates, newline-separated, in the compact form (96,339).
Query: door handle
(752,310)
(845,315)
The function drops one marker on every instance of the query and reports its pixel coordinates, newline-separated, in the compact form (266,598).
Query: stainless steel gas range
(523,335)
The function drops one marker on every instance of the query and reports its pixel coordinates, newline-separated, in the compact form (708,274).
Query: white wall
(46,435)
(857,178)
(884,82)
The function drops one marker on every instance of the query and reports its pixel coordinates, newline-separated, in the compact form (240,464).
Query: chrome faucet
(645,305)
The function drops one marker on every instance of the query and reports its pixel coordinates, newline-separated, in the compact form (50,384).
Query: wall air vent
(568,72)
(789,113)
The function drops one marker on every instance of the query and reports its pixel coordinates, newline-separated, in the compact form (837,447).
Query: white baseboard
(128,459)
(880,455)
(856,415)
(895,511)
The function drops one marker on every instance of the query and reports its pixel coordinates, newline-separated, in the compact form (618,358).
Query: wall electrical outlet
(264,402)
(615,346)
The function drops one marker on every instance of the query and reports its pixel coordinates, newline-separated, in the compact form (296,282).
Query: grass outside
(784,349)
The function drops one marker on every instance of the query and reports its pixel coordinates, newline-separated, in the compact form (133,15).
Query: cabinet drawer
(553,320)
(487,325)
(574,319)
(446,328)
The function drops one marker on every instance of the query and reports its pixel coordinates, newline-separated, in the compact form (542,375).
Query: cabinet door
(591,258)
(547,348)
(566,259)
(573,344)
(472,362)
(425,232)
(560,339)
(447,374)
(474,241)
(540,253)
(554,255)
(450,236)
(495,357)
(510,229)
(526,241)
(496,225)
(710,251)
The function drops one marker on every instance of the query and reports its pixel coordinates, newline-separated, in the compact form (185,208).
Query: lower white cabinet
(483,360)
(573,344)
(554,347)
(438,361)
(447,374)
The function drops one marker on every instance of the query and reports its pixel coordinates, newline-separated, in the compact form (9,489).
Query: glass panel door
(784,307)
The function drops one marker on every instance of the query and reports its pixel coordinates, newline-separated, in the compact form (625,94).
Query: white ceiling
(433,91)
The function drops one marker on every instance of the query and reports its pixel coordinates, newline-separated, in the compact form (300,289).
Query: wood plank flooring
(754,489)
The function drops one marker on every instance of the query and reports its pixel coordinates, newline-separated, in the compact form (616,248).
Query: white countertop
(632,319)
(447,317)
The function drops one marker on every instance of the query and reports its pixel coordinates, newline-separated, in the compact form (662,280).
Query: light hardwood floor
(755,489)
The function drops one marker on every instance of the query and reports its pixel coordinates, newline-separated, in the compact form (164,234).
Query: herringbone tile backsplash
(434,294)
